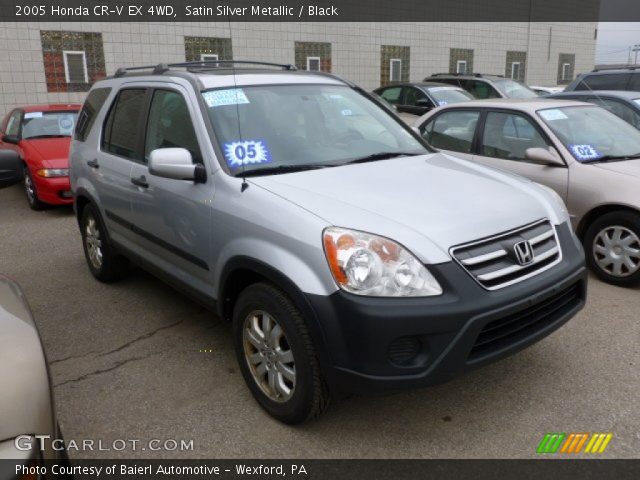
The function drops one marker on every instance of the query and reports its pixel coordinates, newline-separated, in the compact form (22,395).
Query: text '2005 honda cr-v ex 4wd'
(349,255)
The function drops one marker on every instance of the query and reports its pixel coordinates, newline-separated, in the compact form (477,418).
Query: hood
(428,203)
(25,398)
(53,152)
(625,167)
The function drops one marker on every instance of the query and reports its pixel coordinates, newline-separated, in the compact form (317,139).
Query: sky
(614,40)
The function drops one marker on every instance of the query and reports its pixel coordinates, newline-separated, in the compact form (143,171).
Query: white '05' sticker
(246,152)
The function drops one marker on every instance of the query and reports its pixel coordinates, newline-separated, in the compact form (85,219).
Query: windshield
(48,124)
(591,133)
(447,95)
(514,89)
(302,125)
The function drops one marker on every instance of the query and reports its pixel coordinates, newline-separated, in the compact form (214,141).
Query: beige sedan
(590,157)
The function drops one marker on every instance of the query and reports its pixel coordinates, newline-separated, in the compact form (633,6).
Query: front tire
(31,192)
(276,355)
(104,262)
(612,247)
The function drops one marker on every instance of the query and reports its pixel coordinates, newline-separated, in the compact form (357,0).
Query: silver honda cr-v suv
(349,256)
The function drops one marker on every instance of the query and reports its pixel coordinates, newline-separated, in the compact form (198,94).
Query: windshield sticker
(442,102)
(584,152)
(29,115)
(65,122)
(246,152)
(220,98)
(552,114)
(347,113)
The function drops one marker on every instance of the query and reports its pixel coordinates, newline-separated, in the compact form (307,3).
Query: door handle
(93,163)
(140,181)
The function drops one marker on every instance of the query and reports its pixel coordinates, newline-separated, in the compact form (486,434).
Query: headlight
(366,264)
(53,172)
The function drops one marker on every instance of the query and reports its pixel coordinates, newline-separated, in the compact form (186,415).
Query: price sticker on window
(246,152)
(584,152)
(220,98)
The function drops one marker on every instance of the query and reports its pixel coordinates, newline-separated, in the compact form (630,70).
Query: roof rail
(456,74)
(602,68)
(202,64)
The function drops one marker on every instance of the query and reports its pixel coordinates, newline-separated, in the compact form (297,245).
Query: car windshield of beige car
(593,134)
(514,89)
(274,129)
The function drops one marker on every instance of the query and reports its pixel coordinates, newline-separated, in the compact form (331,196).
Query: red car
(41,135)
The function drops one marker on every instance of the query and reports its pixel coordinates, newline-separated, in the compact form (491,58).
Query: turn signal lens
(366,264)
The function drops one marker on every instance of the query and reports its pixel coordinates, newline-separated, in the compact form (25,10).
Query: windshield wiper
(380,156)
(613,158)
(46,136)
(281,169)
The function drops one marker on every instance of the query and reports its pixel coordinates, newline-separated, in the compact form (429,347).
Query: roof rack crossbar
(163,67)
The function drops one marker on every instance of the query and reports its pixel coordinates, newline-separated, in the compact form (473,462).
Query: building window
(198,49)
(460,60)
(75,66)
(394,64)
(566,68)
(313,64)
(516,63)
(313,56)
(396,69)
(72,60)
(515,70)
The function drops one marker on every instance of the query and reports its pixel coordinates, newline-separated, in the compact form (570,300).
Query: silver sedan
(588,156)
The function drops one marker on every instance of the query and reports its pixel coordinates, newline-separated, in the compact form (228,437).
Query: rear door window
(452,130)
(609,81)
(121,134)
(92,105)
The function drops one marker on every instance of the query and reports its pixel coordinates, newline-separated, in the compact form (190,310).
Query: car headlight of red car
(53,172)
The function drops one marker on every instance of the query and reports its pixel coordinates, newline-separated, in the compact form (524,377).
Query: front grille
(502,333)
(494,264)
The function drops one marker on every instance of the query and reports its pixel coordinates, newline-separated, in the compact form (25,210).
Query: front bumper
(54,190)
(395,343)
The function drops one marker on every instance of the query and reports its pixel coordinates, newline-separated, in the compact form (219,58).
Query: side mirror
(10,168)
(177,164)
(543,156)
(14,139)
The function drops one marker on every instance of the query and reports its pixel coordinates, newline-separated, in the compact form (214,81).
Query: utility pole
(636,49)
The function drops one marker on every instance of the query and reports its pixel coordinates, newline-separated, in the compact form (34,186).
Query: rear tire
(104,262)
(276,355)
(31,192)
(612,248)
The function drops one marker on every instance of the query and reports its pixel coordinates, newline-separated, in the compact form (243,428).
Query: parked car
(607,79)
(41,135)
(26,396)
(589,156)
(10,168)
(348,254)
(544,91)
(417,99)
(483,86)
(624,104)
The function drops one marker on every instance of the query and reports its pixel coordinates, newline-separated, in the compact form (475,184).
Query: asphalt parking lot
(128,362)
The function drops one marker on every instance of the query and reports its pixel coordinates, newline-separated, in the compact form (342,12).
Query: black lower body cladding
(377,344)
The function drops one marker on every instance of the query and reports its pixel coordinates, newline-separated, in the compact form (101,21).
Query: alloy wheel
(93,243)
(616,250)
(269,356)
(29,188)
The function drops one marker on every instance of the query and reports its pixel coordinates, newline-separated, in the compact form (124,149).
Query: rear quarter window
(612,81)
(87,116)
